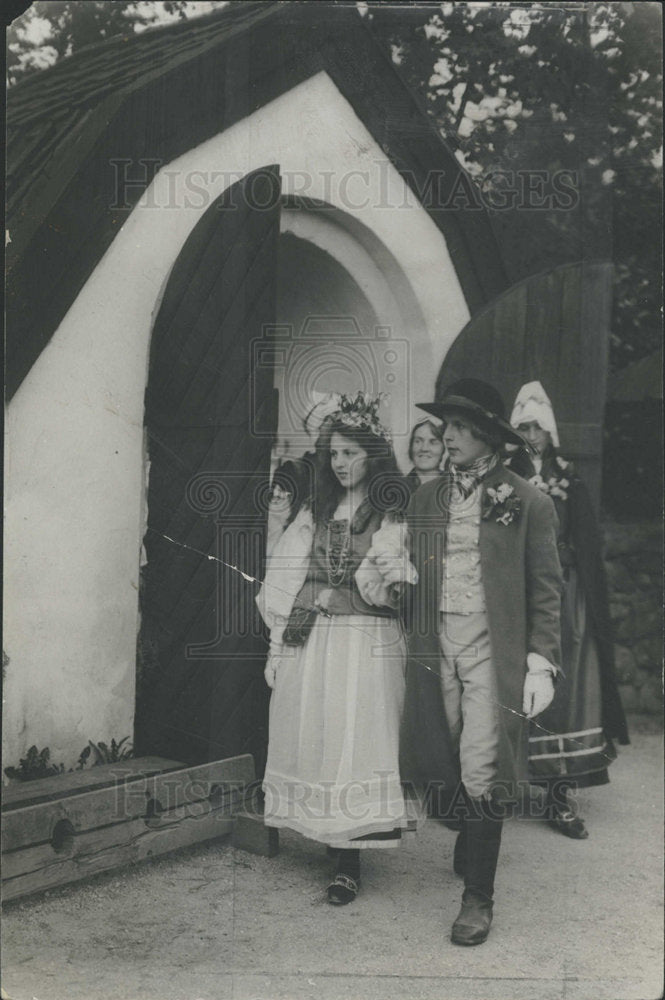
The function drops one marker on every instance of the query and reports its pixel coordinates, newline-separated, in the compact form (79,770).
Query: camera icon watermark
(241,506)
(237,502)
(329,353)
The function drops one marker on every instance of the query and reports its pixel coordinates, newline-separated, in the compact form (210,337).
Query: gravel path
(573,920)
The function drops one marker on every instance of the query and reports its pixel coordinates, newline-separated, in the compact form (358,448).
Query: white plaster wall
(74,430)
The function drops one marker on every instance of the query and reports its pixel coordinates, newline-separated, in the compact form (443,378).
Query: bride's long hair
(387,489)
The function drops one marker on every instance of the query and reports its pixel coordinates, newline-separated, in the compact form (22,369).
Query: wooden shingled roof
(48,110)
(156,94)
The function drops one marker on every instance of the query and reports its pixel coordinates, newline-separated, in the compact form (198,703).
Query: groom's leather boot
(459,853)
(482,840)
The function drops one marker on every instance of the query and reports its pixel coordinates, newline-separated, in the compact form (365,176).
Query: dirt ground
(573,920)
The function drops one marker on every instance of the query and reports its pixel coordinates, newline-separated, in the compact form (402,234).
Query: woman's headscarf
(533,403)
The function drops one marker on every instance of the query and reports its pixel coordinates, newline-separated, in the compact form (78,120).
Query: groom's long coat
(522,581)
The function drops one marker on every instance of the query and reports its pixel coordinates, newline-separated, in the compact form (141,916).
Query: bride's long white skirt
(333,769)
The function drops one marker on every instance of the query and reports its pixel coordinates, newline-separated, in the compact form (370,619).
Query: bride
(337,653)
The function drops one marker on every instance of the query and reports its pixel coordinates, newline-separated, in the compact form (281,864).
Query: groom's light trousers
(470,697)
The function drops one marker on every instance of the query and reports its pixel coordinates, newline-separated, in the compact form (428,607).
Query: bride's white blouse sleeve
(286,569)
(391,541)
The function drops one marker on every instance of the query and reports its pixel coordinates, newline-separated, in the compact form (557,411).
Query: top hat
(481,401)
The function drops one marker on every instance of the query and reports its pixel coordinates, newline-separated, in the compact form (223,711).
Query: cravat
(465,480)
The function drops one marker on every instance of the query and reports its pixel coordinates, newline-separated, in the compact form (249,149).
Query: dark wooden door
(209,416)
(553,327)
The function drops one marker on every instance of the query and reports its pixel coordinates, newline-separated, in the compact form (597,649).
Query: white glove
(371,585)
(538,693)
(273,663)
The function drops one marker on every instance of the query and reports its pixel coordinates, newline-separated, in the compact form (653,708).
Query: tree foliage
(530,87)
(547,88)
(51,29)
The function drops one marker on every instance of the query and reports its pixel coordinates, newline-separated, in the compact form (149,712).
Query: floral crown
(362,413)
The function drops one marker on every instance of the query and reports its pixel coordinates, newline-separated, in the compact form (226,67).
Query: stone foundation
(634,563)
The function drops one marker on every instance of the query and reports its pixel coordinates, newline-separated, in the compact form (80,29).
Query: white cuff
(537,664)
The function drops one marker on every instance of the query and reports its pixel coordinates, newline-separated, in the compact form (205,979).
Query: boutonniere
(553,487)
(501,502)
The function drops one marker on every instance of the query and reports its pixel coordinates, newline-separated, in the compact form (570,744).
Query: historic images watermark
(172,799)
(494,190)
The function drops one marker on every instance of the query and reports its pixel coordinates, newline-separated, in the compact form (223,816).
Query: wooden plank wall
(553,327)
(201,693)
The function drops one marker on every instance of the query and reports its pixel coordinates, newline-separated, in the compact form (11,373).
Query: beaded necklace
(338,547)
(337,551)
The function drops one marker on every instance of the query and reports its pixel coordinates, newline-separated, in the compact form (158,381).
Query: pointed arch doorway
(222,340)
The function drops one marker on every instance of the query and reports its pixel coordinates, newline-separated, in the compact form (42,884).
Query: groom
(482,631)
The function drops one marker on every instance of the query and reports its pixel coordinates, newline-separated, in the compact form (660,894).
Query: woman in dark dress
(426,450)
(572,746)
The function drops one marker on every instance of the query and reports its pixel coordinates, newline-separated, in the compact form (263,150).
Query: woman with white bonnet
(572,744)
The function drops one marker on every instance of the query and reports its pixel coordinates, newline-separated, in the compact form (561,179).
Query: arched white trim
(388,291)
(74,461)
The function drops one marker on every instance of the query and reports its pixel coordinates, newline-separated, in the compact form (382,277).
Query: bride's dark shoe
(346,884)
(343,889)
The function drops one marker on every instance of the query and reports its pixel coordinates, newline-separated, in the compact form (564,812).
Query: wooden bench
(61,829)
